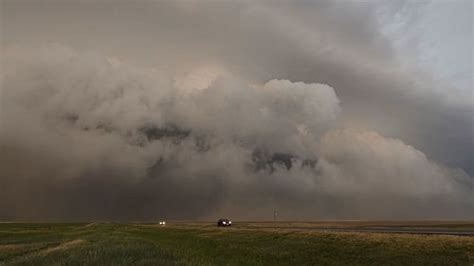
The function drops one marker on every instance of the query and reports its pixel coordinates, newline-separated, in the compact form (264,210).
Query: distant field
(249,243)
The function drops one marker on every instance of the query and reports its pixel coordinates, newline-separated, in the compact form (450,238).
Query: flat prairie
(245,243)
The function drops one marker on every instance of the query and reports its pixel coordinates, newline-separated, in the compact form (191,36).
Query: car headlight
(230,222)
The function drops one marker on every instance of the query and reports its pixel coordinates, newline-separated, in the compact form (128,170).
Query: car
(224,222)
(162,223)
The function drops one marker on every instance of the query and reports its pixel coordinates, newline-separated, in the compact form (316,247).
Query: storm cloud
(207,109)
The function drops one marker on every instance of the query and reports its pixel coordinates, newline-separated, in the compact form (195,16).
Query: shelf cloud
(209,109)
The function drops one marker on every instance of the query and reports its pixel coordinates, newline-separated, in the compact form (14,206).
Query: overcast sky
(140,110)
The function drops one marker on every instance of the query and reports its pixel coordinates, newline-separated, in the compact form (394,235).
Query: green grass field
(205,244)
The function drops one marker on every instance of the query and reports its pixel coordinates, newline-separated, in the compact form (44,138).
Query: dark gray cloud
(241,108)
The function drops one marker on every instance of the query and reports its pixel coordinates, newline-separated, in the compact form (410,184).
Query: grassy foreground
(148,244)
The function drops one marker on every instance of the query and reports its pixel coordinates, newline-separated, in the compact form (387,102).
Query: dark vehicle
(224,222)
